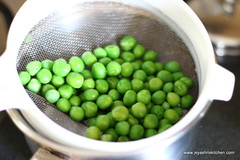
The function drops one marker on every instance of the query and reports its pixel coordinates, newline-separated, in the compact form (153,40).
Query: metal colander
(90,25)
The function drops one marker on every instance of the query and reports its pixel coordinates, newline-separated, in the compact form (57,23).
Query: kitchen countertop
(219,137)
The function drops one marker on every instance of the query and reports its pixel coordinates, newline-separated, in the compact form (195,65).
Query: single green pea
(76,113)
(150,56)
(104,101)
(132,120)
(113,132)
(114,94)
(113,51)
(47,64)
(155,84)
(88,84)
(61,67)
(120,113)
(150,121)
(177,75)
(179,110)
(122,128)
(91,94)
(44,76)
(107,138)
(158,97)
(137,85)
(75,79)
(99,70)
(76,64)
(117,103)
(25,77)
(33,67)
(46,87)
(86,74)
(139,51)
(163,122)
(66,91)
(171,115)
(188,81)
(164,128)
(123,86)
(128,42)
(139,110)
(128,57)
(186,101)
(173,99)
(159,66)
(166,105)
(102,86)
(129,98)
(123,139)
(168,87)
(91,121)
(180,88)
(144,96)
(102,122)
(165,76)
(112,82)
(99,52)
(90,109)
(63,105)
(105,60)
(149,67)
(93,132)
(57,81)
(52,95)
(113,69)
(140,74)
(158,111)
(136,132)
(150,132)
(75,100)
(172,66)
(119,60)
(88,58)
(34,85)
(136,65)
(127,69)
(112,120)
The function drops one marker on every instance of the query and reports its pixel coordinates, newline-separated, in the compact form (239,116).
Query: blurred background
(220,127)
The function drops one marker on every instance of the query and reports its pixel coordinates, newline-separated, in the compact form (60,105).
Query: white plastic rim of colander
(35,10)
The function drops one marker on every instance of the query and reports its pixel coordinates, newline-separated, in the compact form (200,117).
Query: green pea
(66,91)
(127,69)
(63,105)
(144,96)
(139,51)
(91,94)
(128,42)
(155,84)
(76,64)
(123,139)
(107,138)
(137,85)
(166,105)
(119,60)
(113,51)
(179,110)
(89,58)
(114,94)
(188,81)
(158,111)
(120,113)
(136,132)
(90,109)
(44,76)
(113,132)
(105,60)
(88,84)
(173,99)
(76,113)
(102,122)
(123,86)
(172,66)
(33,67)
(112,120)
(136,65)
(149,67)
(158,97)
(93,132)
(34,85)
(102,86)
(52,95)
(46,87)
(117,103)
(104,101)
(150,56)
(57,81)
(91,121)
(132,120)
(128,57)
(25,77)
(112,82)
(186,101)
(75,100)
(168,87)
(164,128)
(99,70)
(86,74)
(140,74)
(163,122)
(159,66)
(47,64)
(75,79)
(100,52)
(113,69)
(180,88)
(150,132)
(171,115)
(165,76)
(122,128)
(129,98)
(61,67)
(139,110)
(150,121)
(177,75)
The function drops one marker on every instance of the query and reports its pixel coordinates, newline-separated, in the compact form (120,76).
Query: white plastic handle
(222,82)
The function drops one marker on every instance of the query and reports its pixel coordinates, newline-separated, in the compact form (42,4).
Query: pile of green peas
(122,92)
